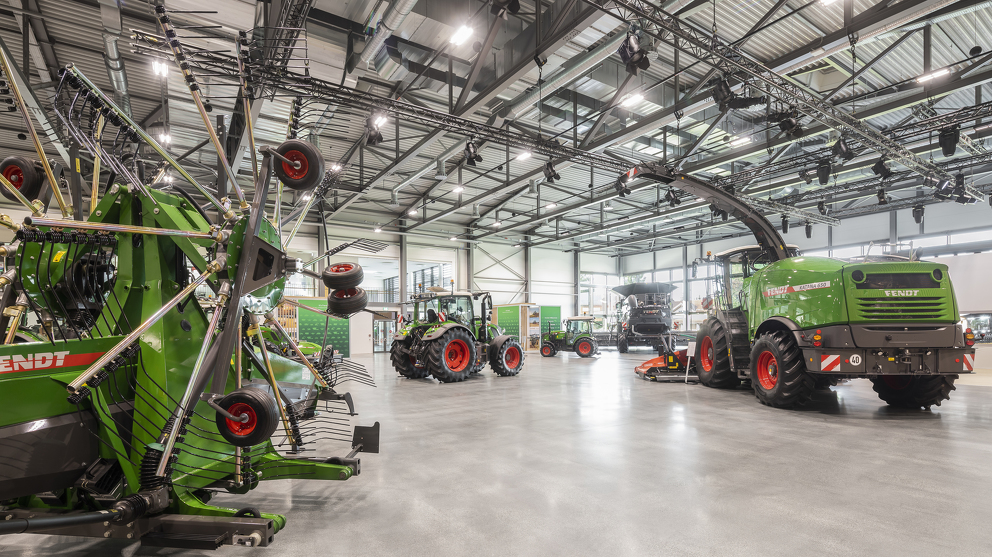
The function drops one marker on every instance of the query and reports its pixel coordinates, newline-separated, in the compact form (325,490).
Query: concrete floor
(581,457)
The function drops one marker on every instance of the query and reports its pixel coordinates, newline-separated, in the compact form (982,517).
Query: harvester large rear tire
(778,371)
(451,358)
(712,356)
(508,360)
(914,391)
(404,362)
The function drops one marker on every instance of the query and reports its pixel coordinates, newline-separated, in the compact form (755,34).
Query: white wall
(551,279)
(360,333)
(970,277)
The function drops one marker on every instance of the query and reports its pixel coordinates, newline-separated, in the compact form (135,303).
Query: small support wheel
(23,175)
(346,301)
(342,275)
(311,165)
(260,408)
(248,512)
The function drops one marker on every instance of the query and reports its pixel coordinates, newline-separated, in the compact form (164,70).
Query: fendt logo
(901,292)
(45,360)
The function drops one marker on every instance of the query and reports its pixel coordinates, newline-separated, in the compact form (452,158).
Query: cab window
(457,309)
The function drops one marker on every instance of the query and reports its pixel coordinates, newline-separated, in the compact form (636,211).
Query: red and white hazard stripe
(830,362)
(969,362)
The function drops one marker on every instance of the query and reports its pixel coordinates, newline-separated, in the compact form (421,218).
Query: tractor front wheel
(404,362)
(548,350)
(451,358)
(712,358)
(913,391)
(778,372)
(585,347)
(508,360)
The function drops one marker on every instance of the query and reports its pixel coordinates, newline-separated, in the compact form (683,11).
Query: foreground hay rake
(129,403)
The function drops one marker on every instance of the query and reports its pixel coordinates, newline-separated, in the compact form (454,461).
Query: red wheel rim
(897,382)
(343,293)
(584,348)
(295,173)
(14,175)
(456,355)
(512,358)
(767,370)
(241,428)
(546,350)
(706,354)
(341,267)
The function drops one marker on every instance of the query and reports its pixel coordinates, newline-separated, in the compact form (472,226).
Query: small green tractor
(577,336)
(449,340)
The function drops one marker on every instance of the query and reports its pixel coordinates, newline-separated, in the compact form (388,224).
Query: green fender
(436,333)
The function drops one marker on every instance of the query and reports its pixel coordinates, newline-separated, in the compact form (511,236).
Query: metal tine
(198,27)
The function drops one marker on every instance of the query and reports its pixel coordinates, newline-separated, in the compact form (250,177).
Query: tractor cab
(457,307)
(577,336)
(577,326)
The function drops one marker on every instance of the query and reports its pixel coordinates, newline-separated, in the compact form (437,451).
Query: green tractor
(449,340)
(577,336)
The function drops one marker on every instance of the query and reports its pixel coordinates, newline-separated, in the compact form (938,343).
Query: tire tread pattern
(923,392)
(435,357)
(794,386)
(721,376)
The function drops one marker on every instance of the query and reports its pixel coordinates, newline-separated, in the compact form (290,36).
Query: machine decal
(45,360)
(779,290)
(830,362)
(969,362)
(901,292)
(855,360)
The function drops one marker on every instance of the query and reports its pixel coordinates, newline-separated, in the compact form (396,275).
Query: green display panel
(311,327)
(550,316)
(508,318)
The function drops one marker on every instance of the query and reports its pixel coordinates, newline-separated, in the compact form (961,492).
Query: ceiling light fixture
(933,75)
(412,212)
(551,205)
(882,200)
(457,189)
(160,68)
(453,238)
(377,229)
(523,156)
(740,141)
(472,155)
(948,140)
(634,57)
(607,206)
(823,170)
(461,35)
(550,174)
(165,138)
(335,167)
(372,134)
(632,100)
(880,169)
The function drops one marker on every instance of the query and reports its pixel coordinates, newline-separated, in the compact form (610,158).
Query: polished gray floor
(581,457)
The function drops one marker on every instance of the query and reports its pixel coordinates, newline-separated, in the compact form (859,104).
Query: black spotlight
(746,102)
(948,140)
(620,185)
(633,56)
(373,136)
(472,155)
(804,175)
(672,199)
(958,184)
(512,6)
(823,171)
(841,150)
(821,207)
(975,51)
(918,213)
(882,200)
(785,224)
(792,128)
(722,92)
(880,169)
(966,199)
(550,175)
(809,230)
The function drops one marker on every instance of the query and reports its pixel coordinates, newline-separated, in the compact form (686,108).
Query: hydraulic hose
(21,525)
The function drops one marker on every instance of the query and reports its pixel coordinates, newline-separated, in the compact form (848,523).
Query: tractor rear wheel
(712,357)
(914,391)
(508,360)
(585,347)
(451,358)
(778,372)
(404,362)
(548,350)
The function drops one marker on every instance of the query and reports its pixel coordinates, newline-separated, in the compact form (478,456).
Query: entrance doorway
(382,334)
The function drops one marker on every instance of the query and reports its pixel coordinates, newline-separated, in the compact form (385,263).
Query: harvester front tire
(342,275)
(712,357)
(311,170)
(263,417)
(508,360)
(778,371)
(913,391)
(622,345)
(451,358)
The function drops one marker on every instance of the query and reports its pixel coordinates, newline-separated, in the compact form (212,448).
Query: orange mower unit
(672,366)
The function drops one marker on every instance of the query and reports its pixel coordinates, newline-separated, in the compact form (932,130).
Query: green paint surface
(508,318)
(311,327)
(550,317)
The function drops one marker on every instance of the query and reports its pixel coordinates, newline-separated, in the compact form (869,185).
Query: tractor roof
(734,253)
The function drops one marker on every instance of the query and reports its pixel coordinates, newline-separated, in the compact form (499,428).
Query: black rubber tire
(399,355)
(342,275)
(579,347)
(719,376)
(622,346)
(438,364)
(309,174)
(346,301)
(502,361)
(256,403)
(24,175)
(548,350)
(914,391)
(248,512)
(791,384)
